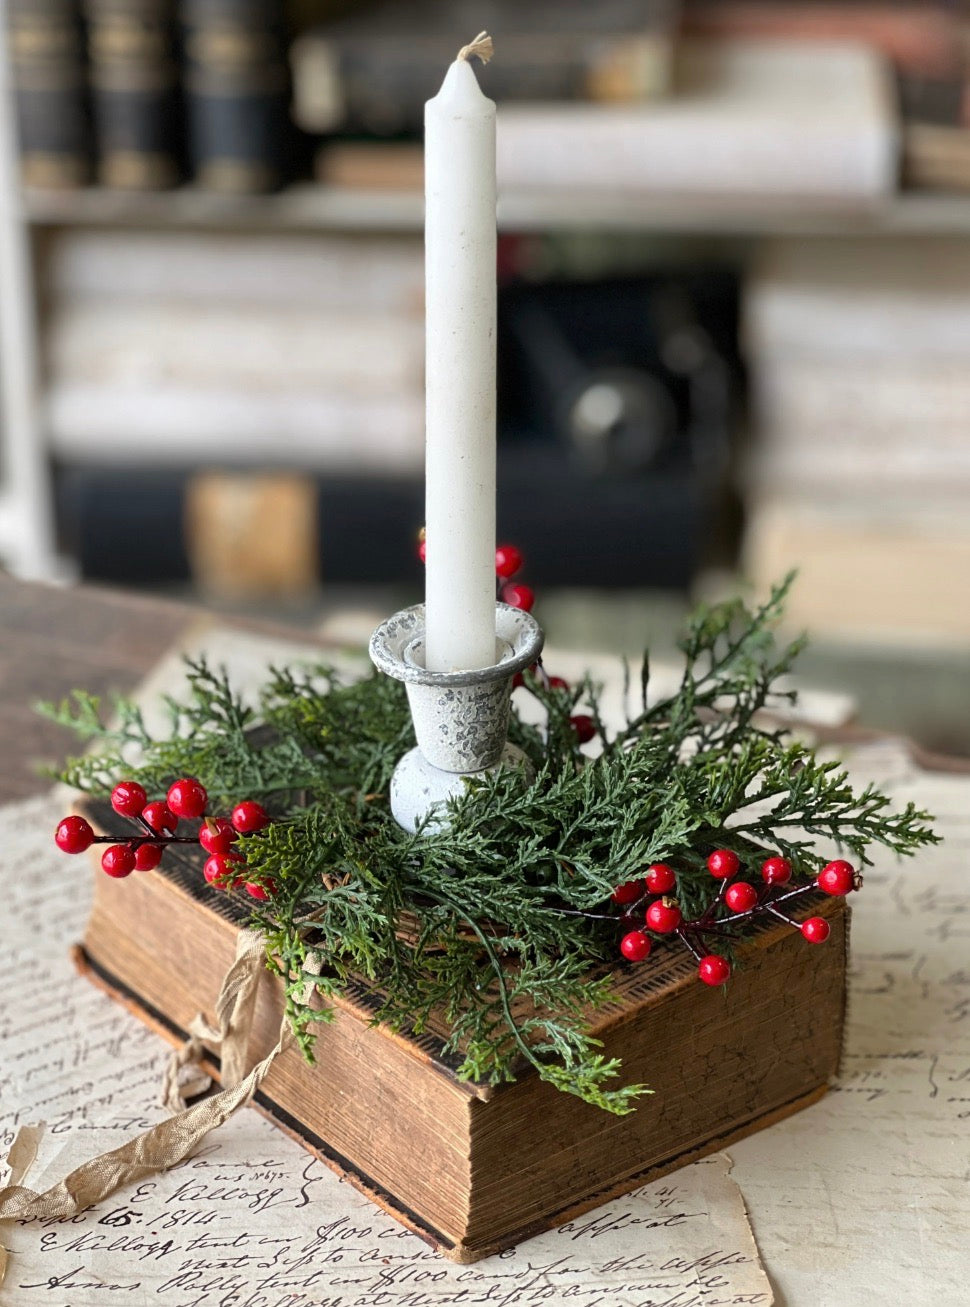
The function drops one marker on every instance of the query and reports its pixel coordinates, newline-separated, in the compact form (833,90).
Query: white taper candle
(460,286)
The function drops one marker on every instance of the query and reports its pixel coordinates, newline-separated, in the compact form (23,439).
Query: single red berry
(816,930)
(148,856)
(723,863)
(776,871)
(517,595)
(216,835)
(159,817)
(660,879)
(257,891)
(628,892)
(714,970)
(187,798)
(128,798)
(118,860)
(635,946)
(249,816)
(558,683)
(837,877)
(222,868)
(584,726)
(517,680)
(73,835)
(423,550)
(508,560)
(740,897)
(663,916)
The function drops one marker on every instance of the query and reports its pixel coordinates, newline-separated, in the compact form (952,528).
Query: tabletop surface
(861,1199)
(54,640)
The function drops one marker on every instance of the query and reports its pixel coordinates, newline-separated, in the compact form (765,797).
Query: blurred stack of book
(370,72)
(859,470)
(140,94)
(744,118)
(927,42)
(169,349)
(769,119)
(214,398)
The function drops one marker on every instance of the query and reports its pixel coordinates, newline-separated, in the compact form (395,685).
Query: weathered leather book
(237,90)
(50,91)
(467,1166)
(134,92)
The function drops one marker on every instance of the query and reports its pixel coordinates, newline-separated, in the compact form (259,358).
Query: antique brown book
(463,1164)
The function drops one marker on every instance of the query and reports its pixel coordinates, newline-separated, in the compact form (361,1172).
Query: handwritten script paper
(252,1220)
(861,1199)
(865,1198)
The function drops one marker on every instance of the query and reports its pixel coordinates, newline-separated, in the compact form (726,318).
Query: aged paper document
(862,1199)
(252,1220)
(865,1197)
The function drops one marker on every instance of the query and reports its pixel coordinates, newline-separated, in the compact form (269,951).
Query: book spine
(237,93)
(134,90)
(47,56)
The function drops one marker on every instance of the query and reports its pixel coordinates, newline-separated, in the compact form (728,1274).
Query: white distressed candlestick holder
(460,718)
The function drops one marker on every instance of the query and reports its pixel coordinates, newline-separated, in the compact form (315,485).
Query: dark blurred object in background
(50,88)
(617,401)
(627,375)
(124,526)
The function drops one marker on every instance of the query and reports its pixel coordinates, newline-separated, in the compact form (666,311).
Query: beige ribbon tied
(185,1077)
(170,1142)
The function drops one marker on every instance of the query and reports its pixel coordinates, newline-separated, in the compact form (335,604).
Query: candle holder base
(420,791)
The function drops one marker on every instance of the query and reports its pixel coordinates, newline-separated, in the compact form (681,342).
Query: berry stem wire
(682,934)
(153,838)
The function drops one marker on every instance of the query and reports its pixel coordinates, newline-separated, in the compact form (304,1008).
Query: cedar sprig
(499,927)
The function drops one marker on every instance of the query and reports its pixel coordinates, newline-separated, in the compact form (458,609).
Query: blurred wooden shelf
(309,207)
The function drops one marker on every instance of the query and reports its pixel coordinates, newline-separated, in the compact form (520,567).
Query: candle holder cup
(460,718)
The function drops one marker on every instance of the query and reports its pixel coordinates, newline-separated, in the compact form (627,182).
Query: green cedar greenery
(502,922)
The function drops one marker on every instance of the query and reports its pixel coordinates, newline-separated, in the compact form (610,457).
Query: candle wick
(481,46)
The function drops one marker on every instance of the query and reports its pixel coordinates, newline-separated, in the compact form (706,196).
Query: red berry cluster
(584,727)
(508,561)
(186,800)
(743,901)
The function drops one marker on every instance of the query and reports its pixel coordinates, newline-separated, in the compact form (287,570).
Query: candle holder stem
(460,718)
